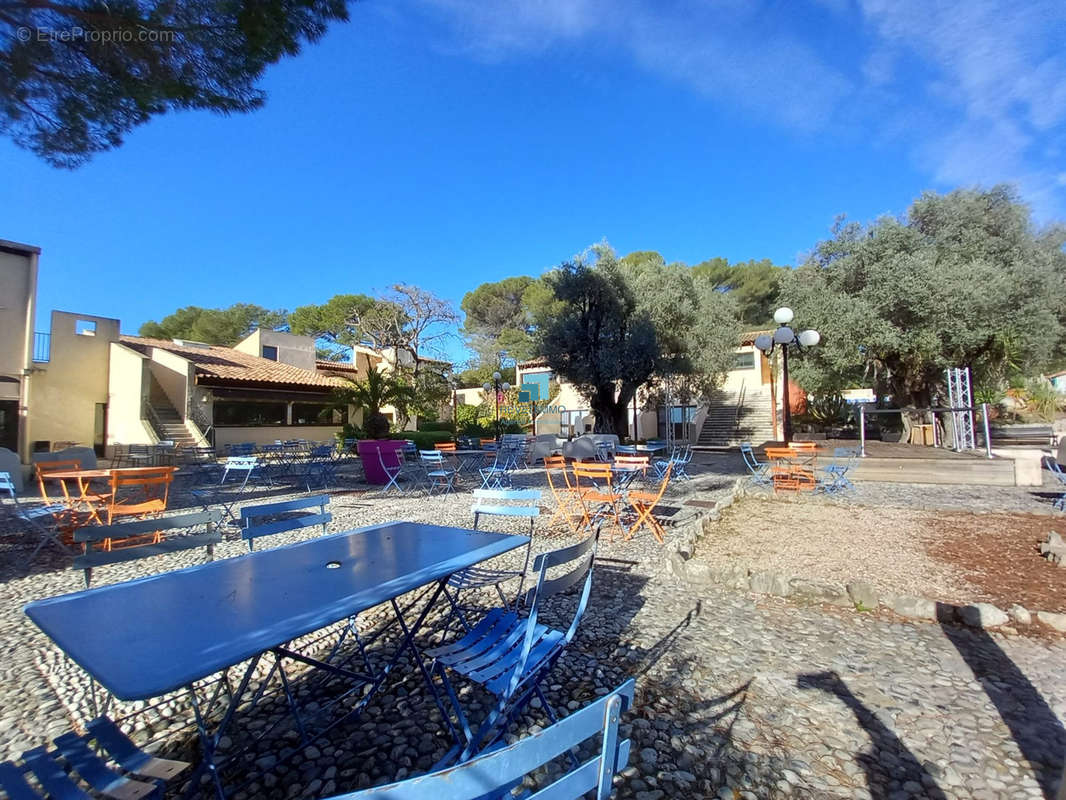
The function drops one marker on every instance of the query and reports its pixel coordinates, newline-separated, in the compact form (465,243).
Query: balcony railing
(42,347)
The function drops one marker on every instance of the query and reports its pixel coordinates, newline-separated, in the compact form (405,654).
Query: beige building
(18,295)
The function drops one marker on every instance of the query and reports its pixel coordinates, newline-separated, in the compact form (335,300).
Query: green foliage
(424,440)
(499,318)
(68,99)
(222,326)
(480,374)
(828,409)
(1042,399)
(349,431)
(372,393)
(436,425)
(753,285)
(331,320)
(469,420)
(899,301)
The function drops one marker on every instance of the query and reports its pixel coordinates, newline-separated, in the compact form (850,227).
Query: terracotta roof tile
(227,364)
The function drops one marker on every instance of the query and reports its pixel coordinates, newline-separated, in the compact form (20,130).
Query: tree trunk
(612,412)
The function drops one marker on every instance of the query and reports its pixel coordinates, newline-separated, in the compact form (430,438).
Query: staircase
(165,419)
(736,417)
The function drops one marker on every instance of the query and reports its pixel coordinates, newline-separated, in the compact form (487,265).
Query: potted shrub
(370,394)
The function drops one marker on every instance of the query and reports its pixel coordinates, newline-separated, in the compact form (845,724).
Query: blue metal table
(146,637)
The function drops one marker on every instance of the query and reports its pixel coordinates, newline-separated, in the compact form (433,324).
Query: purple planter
(368,450)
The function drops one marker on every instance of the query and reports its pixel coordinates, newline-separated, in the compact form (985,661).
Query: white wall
(127,385)
(268,434)
(175,375)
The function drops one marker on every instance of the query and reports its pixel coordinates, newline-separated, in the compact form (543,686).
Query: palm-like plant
(371,394)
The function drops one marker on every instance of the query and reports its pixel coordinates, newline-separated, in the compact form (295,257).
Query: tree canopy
(616,325)
(500,316)
(753,285)
(963,279)
(222,326)
(332,320)
(76,77)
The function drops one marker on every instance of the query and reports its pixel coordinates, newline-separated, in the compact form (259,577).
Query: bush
(424,440)
(436,425)
(349,431)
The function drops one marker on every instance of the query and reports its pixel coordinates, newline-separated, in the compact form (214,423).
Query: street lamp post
(454,386)
(784,337)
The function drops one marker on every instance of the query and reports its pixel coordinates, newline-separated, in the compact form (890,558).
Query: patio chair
(268,519)
(567,504)
(240,449)
(396,467)
(1056,469)
(320,467)
(525,504)
(241,468)
(604,451)
(626,450)
(497,773)
(509,655)
(439,476)
(836,473)
(496,475)
(39,519)
(760,470)
(445,447)
(139,492)
(598,498)
(107,769)
(67,517)
(644,505)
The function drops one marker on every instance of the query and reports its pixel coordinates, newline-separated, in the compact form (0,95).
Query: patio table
(83,503)
(192,623)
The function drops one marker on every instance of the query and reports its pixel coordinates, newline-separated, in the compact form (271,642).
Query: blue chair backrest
(431,457)
(627,449)
(526,503)
(6,484)
(496,773)
(250,530)
(584,554)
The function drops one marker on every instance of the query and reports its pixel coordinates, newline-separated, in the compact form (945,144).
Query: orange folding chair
(72,517)
(566,503)
(445,447)
(598,499)
(138,493)
(644,504)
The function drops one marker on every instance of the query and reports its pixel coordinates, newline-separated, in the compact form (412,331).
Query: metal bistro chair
(598,499)
(39,519)
(526,505)
(1060,476)
(760,470)
(242,468)
(396,468)
(320,467)
(644,504)
(57,771)
(836,474)
(567,504)
(498,773)
(439,476)
(496,475)
(509,655)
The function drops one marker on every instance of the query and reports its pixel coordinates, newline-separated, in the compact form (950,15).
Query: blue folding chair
(836,474)
(396,468)
(496,475)
(39,519)
(526,505)
(496,774)
(509,655)
(626,449)
(760,470)
(62,773)
(241,468)
(320,467)
(439,476)
(1060,476)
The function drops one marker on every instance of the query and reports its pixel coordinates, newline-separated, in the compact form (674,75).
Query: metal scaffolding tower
(960,397)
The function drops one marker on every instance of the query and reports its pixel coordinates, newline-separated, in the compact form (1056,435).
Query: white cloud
(975,89)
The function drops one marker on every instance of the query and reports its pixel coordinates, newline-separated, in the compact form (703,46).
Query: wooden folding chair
(644,504)
(598,499)
(567,505)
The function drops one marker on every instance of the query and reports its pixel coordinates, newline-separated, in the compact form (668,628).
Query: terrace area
(756,675)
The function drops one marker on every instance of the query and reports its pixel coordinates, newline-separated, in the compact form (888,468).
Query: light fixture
(496,376)
(783,315)
(784,335)
(505,386)
(764,342)
(809,337)
(486,386)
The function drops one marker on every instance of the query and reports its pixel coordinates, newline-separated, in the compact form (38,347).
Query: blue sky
(450,142)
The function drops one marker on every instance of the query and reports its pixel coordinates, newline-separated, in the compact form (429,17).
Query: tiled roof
(748,337)
(226,364)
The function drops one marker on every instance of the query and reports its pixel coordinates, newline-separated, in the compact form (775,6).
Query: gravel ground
(737,698)
(884,546)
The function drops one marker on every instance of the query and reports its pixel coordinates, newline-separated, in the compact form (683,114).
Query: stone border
(858,595)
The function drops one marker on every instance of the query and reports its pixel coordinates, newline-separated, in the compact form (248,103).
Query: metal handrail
(740,402)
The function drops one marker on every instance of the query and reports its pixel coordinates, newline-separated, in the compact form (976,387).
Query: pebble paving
(739,696)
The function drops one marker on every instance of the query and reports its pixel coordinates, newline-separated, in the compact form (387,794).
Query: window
(744,361)
(250,413)
(270,351)
(318,414)
(85,327)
